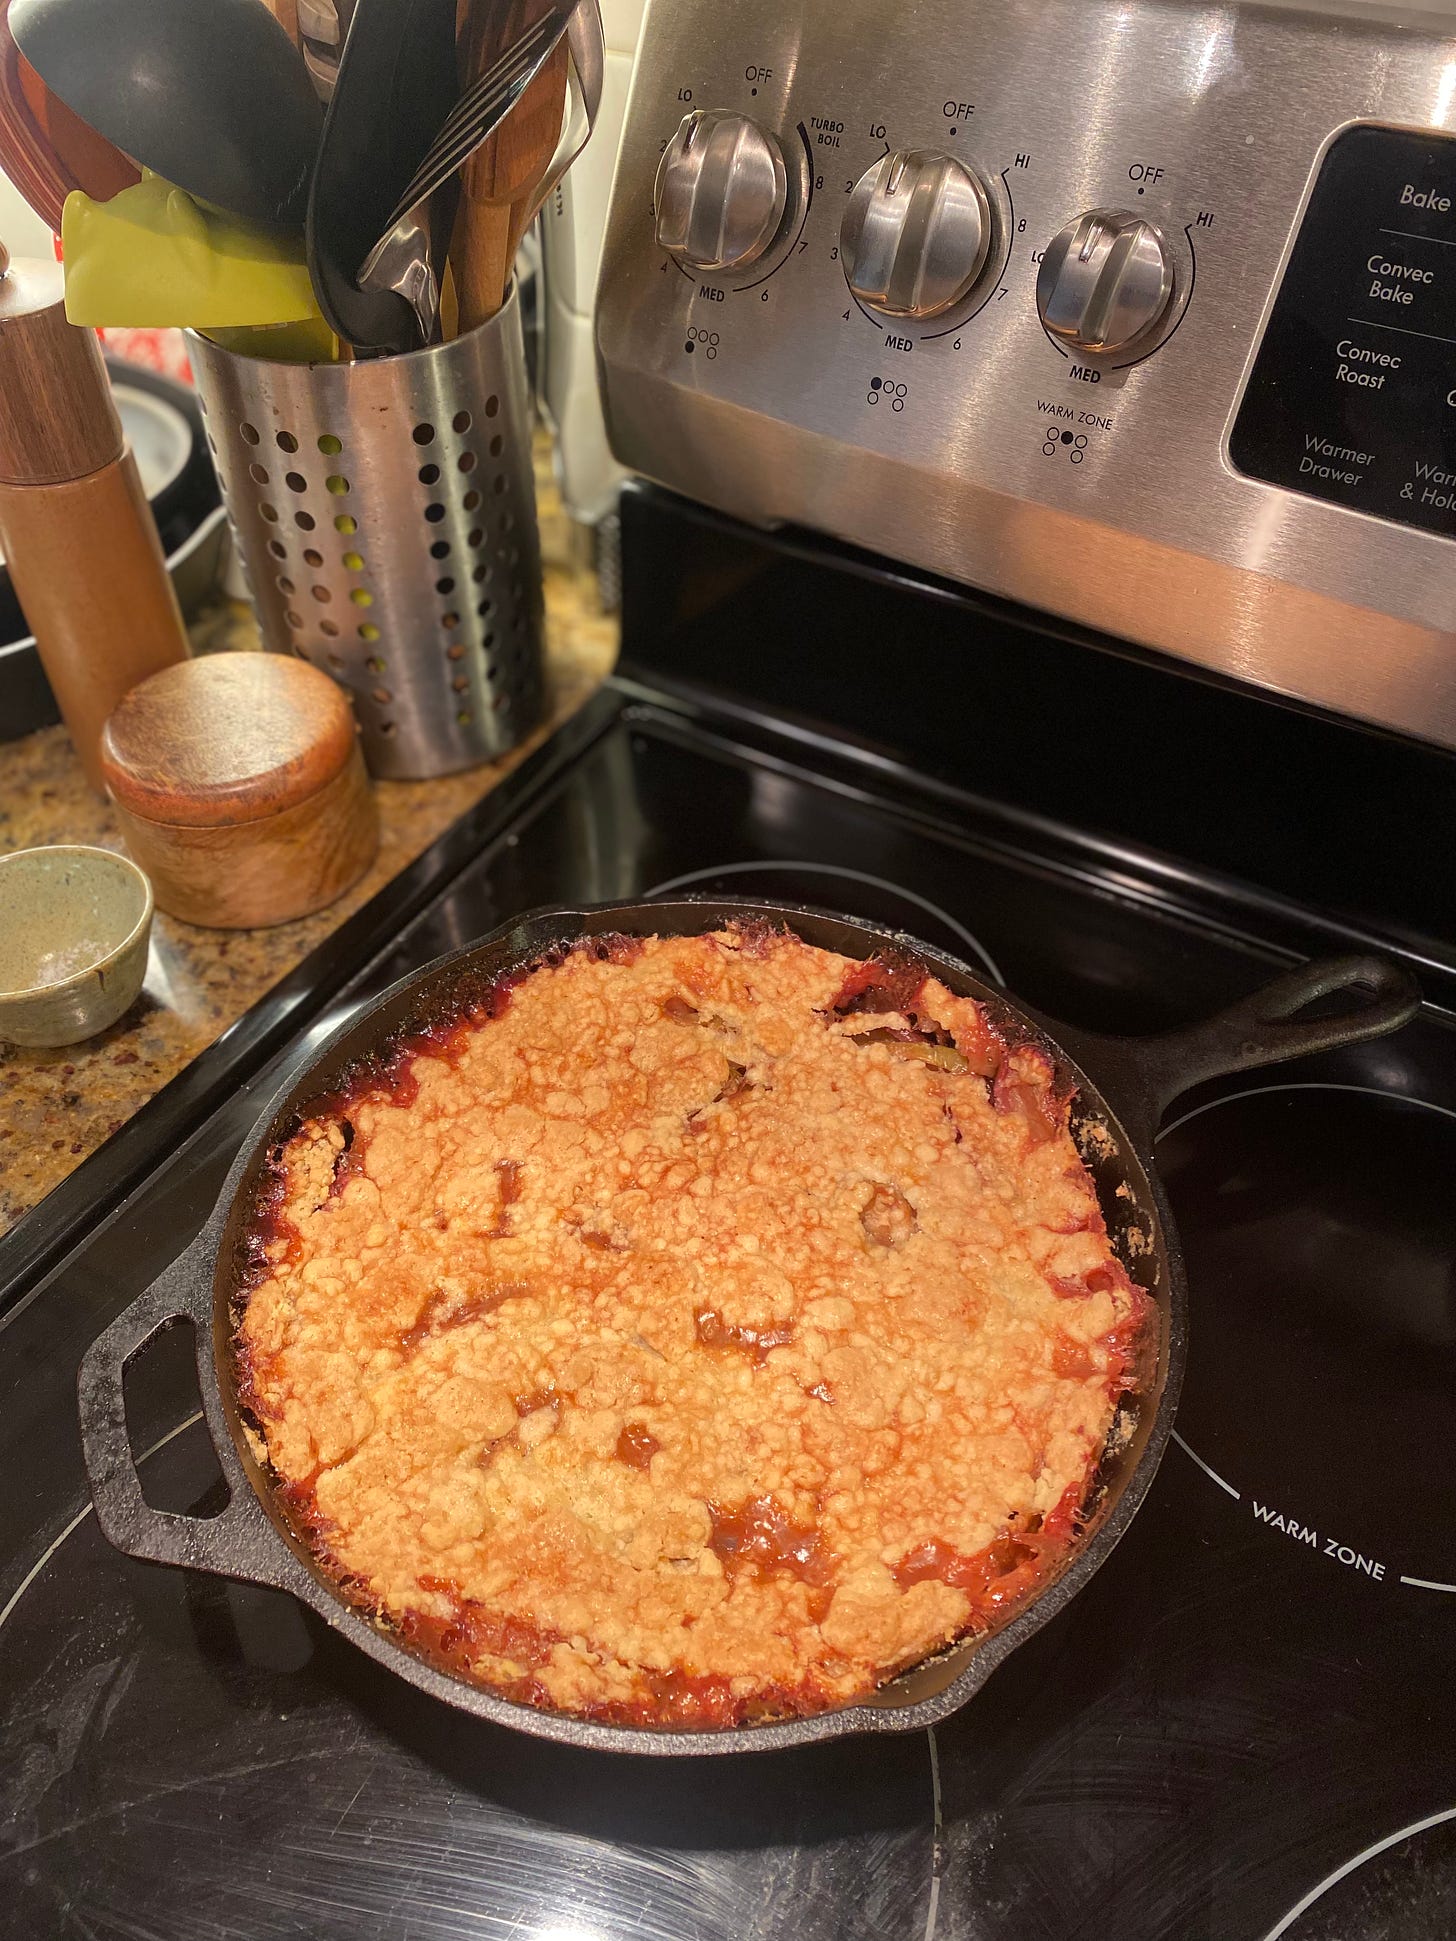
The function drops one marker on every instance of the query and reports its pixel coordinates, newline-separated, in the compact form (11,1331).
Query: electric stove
(1243,1727)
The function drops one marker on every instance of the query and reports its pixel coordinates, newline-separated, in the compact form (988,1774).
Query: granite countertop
(56,1107)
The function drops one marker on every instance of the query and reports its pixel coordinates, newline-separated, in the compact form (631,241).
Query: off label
(1327,1546)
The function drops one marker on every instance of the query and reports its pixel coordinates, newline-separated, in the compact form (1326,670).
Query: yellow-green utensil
(154,258)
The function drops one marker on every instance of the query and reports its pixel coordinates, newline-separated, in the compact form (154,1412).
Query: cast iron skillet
(1122,1088)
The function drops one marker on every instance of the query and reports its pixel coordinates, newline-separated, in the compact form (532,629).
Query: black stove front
(1242,1729)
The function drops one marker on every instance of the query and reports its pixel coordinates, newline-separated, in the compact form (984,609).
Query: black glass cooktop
(1242,1729)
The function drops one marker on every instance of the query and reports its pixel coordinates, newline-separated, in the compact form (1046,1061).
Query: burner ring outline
(838,869)
(7,1610)
(1369,1853)
(1304,1085)
(1413,1583)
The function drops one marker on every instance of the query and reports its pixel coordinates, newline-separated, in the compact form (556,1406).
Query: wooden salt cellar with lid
(240,789)
(75,528)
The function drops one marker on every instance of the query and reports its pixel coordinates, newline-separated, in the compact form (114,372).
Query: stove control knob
(1105,282)
(722,189)
(916,234)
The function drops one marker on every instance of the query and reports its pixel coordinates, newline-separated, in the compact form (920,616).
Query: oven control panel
(1353,394)
(1137,312)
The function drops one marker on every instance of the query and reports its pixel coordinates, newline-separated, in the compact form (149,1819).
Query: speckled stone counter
(58,1106)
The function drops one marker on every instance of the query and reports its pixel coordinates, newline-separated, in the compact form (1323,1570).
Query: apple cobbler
(688,1331)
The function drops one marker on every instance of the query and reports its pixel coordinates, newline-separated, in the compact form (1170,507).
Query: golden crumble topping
(695,1330)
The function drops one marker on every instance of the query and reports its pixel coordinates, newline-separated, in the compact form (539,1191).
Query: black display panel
(1353,394)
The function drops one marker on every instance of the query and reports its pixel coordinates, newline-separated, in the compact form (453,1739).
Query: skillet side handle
(1265,1027)
(239,1542)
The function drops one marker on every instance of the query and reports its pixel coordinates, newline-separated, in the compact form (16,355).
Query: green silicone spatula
(152,257)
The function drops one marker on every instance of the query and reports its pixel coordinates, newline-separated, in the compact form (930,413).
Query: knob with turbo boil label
(916,234)
(722,189)
(1106,282)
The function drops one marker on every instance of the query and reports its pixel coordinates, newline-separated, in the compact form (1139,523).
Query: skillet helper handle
(1265,1028)
(240,1541)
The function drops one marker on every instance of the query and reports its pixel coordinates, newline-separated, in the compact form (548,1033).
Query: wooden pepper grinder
(77,534)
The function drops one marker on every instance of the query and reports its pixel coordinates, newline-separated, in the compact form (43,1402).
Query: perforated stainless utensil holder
(385,516)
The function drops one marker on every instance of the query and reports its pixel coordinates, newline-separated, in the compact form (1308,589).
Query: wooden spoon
(285,12)
(502,175)
(45,149)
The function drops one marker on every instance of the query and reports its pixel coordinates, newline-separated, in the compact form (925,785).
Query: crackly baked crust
(693,1331)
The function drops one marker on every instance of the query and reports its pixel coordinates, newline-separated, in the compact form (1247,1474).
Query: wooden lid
(57,417)
(229,738)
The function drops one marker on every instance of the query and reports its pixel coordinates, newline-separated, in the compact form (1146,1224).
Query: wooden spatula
(501,177)
(285,12)
(45,149)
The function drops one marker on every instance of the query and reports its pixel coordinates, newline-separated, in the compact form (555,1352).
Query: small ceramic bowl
(74,925)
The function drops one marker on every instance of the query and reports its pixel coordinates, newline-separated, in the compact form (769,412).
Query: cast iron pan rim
(251,1540)
(567,926)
